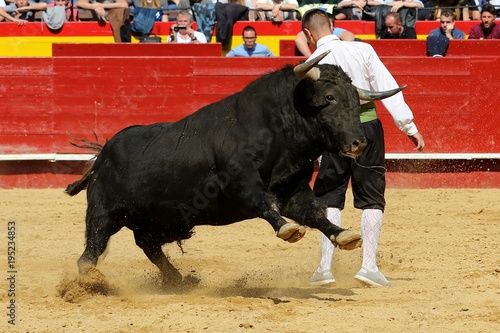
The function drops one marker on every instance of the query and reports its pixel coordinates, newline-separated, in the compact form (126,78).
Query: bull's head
(326,92)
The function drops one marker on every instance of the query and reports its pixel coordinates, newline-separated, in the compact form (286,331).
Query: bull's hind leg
(99,228)
(152,249)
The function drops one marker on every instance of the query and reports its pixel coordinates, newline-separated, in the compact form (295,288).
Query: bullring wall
(45,100)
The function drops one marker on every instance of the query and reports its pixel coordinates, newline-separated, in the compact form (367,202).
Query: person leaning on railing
(4,16)
(468,8)
(360,9)
(278,10)
(398,4)
(114,11)
(23,10)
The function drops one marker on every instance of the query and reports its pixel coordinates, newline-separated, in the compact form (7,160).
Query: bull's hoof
(172,277)
(347,240)
(291,232)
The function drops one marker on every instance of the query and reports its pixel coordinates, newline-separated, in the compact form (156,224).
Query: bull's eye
(331,99)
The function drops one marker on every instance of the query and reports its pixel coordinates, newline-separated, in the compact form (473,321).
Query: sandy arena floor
(440,249)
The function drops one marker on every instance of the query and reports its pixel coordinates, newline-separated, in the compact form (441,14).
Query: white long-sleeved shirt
(360,61)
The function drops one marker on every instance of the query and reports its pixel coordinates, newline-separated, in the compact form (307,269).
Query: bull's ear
(367,95)
(306,70)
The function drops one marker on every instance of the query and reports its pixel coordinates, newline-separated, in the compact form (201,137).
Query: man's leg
(371,226)
(368,183)
(323,274)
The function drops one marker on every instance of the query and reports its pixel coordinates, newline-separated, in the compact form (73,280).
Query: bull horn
(306,70)
(367,95)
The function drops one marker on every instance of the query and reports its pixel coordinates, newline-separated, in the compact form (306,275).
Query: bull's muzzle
(355,148)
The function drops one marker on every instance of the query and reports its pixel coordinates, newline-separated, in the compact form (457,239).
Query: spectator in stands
(114,11)
(396,30)
(447,20)
(487,29)
(253,15)
(339,8)
(468,8)
(361,9)
(182,31)
(278,10)
(71,13)
(471,10)
(342,34)
(176,5)
(250,48)
(161,5)
(438,39)
(24,11)
(398,4)
(427,13)
(4,16)
(10,6)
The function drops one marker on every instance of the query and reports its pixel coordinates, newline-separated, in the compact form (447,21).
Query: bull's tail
(85,144)
(81,184)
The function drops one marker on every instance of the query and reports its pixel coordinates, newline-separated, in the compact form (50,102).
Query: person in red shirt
(487,29)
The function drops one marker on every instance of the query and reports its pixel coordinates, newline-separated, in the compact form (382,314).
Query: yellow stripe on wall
(42,46)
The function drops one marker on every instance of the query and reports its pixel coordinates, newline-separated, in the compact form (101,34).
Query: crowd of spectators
(392,14)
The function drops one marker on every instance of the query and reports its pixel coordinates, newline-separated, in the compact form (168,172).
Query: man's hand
(20,22)
(99,9)
(418,141)
(448,31)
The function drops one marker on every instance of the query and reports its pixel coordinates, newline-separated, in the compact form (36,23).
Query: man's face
(393,28)
(60,2)
(183,21)
(488,19)
(249,38)
(447,22)
(22,3)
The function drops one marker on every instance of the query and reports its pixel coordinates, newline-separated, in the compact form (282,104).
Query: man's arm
(302,45)
(92,6)
(397,5)
(6,16)
(38,6)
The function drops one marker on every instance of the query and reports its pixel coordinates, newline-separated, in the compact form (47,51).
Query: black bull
(249,155)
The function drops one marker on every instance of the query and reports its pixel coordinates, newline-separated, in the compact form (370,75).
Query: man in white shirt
(367,172)
(182,31)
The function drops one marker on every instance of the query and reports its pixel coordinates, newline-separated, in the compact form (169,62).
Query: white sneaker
(372,278)
(321,278)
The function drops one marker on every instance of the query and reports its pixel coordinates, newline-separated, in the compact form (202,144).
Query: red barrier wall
(416,48)
(43,99)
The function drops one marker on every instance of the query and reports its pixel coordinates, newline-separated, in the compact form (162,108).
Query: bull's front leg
(306,210)
(246,187)
(289,231)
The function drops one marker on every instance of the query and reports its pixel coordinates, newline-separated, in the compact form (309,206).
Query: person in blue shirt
(447,20)
(438,39)
(250,48)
